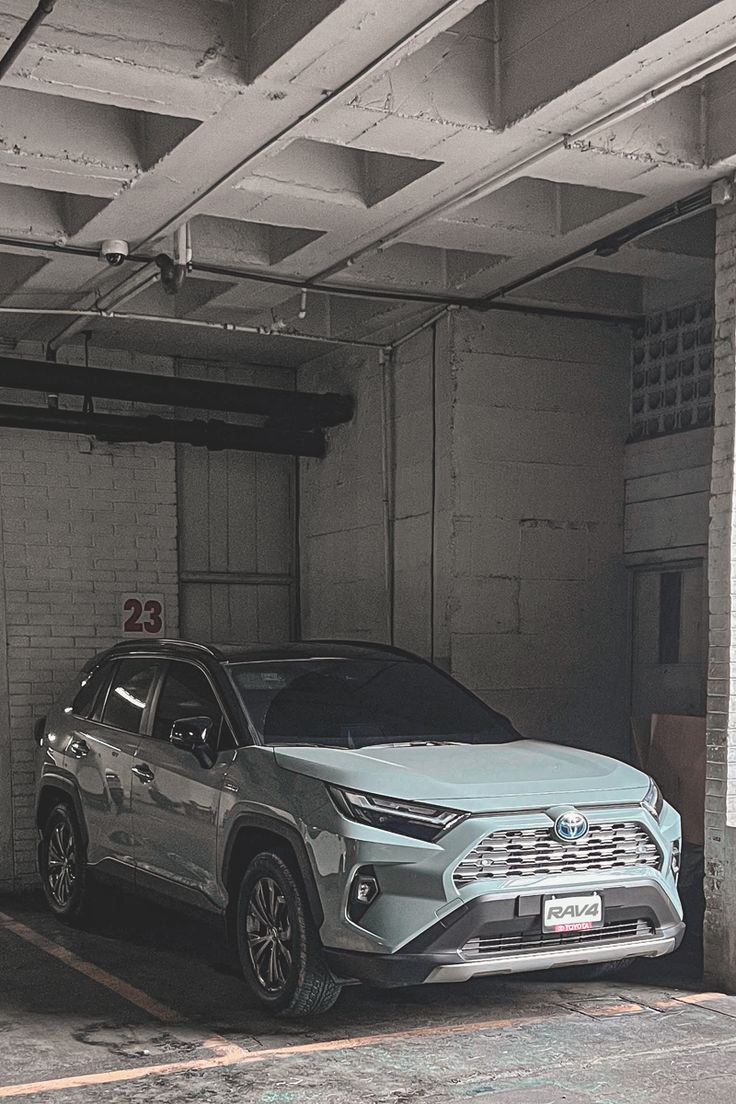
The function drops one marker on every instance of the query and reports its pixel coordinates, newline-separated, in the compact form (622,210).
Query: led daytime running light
(653,800)
(394,815)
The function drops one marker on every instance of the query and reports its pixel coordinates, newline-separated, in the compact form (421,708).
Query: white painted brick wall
(81,523)
(79,528)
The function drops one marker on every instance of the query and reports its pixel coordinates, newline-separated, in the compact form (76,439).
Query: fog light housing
(676,860)
(363,892)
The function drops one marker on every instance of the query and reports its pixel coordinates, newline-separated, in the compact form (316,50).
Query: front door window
(186,692)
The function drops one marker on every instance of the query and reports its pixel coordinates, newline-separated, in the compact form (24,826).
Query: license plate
(571,914)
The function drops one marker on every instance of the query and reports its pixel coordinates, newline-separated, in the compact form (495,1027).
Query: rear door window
(92,688)
(129,694)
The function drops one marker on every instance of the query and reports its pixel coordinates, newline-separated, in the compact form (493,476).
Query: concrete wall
(506,446)
(367,523)
(538,618)
(343,585)
(82,523)
(720,786)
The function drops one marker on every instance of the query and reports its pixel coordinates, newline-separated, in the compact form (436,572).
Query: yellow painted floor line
(227,1056)
(230,1054)
(233,1055)
(130,993)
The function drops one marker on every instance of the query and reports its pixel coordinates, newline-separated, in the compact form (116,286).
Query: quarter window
(129,693)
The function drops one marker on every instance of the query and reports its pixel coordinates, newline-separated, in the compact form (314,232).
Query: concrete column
(720,814)
(6,792)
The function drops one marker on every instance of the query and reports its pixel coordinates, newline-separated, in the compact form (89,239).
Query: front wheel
(278,944)
(62,865)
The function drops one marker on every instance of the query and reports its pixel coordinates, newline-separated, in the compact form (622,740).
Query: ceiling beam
(632,83)
(174,57)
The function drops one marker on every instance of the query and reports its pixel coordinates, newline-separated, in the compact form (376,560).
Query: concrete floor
(150,1003)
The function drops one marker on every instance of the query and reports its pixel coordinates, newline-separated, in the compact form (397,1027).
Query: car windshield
(355,703)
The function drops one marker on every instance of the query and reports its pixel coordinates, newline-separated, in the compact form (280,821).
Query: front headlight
(425,822)
(653,800)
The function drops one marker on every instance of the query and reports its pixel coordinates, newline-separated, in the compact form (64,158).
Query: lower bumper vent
(515,943)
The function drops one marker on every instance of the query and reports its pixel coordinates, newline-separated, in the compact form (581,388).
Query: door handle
(78,749)
(145,773)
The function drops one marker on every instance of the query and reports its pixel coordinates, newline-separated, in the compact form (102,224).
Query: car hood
(520,774)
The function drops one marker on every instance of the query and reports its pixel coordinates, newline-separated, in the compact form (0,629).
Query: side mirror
(191,733)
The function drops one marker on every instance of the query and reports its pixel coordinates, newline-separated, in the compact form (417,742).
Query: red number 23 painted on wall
(143,617)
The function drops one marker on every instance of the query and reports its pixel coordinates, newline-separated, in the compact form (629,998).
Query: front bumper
(441,953)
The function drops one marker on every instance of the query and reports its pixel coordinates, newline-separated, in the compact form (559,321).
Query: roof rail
(132,645)
(364,644)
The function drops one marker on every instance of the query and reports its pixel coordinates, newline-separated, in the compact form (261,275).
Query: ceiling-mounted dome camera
(114,252)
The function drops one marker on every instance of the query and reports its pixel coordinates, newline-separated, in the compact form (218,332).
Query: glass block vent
(672,371)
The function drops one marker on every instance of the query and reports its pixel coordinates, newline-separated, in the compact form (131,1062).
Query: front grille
(618,931)
(535,852)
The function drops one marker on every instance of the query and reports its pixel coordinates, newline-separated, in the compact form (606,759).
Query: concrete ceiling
(441,148)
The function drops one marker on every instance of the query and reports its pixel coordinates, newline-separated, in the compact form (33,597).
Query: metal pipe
(212,435)
(126,290)
(675,212)
(433,318)
(264,331)
(338,290)
(433,542)
(665,216)
(24,36)
(345,291)
(560,312)
(389,577)
(193,323)
(640,227)
(308,407)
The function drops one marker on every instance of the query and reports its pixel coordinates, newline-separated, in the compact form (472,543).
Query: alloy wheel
(269,935)
(61,863)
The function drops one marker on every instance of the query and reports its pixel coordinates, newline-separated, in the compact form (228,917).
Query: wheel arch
(249,835)
(53,789)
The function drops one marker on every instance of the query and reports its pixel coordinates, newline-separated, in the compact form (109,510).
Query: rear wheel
(278,945)
(62,865)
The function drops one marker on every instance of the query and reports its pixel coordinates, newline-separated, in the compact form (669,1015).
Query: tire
(278,945)
(62,862)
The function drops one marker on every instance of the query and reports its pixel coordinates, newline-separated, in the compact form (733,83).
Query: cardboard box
(672,749)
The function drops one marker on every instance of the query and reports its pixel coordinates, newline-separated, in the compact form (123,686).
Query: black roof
(238,653)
